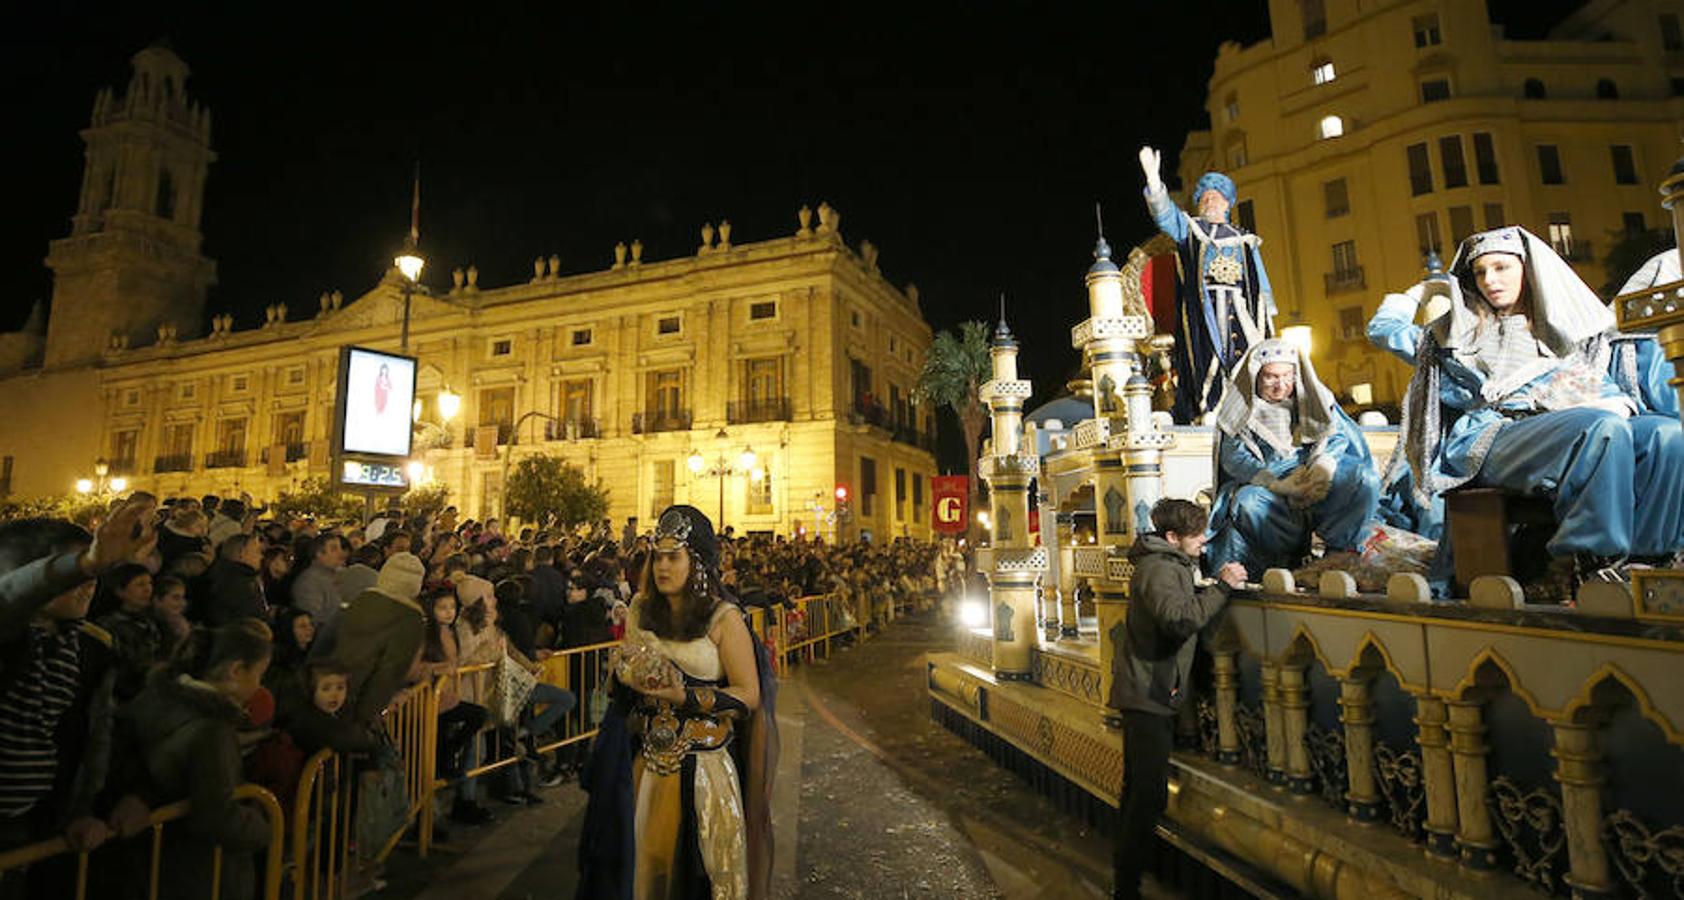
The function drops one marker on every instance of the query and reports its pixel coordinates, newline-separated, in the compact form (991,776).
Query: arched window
(1331,127)
(165,206)
(1606,89)
(1533,89)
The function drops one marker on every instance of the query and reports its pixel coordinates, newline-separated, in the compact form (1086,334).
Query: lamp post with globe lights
(102,483)
(747,464)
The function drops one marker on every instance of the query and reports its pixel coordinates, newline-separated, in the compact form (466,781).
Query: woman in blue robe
(1524,385)
(1289,464)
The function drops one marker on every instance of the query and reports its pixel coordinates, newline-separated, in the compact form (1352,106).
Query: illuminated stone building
(796,348)
(1362,134)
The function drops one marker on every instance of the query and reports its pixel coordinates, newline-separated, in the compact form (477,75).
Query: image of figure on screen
(379,391)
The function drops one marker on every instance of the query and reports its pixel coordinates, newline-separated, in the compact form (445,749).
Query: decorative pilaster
(1438,776)
(1226,671)
(1066,531)
(1356,711)
(1017,564)
(1578,768)
(1475,839)
(1294,693)
(1274,723)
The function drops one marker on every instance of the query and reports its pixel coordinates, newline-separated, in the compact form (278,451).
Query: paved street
(873,800)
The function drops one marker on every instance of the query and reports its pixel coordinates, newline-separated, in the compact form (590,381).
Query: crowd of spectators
(184,647)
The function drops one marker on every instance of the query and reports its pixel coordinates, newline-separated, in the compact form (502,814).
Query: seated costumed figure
(680,772)
(1524,385)
(1223,301)
(1289,463)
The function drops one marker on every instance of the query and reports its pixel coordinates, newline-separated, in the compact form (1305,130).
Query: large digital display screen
(376,394)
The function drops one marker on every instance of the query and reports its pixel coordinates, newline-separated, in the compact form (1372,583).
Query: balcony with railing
(571,429)
(225,459)
(661,420)
(911,436)
(291,452)
(505,432)
(173,462)
(1342,280)
(867,411)
(765,409)
(124,467)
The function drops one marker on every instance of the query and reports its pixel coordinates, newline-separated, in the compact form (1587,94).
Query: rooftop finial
(1101,250)
(1003,332)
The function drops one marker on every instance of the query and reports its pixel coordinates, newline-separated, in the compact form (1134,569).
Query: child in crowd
(182,731)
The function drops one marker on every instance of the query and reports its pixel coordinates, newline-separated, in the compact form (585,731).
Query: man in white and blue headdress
(1223,301)
(1289,464)
(1523,384)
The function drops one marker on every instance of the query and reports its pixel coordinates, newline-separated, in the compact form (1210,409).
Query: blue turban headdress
(1218,182)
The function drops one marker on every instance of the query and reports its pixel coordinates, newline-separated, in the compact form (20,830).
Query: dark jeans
(1147,741)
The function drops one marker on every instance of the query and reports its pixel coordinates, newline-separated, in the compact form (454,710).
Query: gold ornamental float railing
(15,863)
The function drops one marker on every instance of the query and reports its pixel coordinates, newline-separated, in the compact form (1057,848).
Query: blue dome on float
(1068,410)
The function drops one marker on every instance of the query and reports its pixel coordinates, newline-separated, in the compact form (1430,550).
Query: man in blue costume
(1524,385)
(1223,304)
(1290,463)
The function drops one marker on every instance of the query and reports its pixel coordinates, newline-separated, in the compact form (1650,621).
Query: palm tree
(958,364)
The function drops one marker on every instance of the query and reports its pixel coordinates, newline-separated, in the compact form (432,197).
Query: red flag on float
(951,499)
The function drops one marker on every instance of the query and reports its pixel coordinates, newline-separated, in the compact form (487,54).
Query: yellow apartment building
(796,348)
(1363,133)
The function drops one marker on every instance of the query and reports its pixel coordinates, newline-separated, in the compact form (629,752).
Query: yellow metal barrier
(14,862)
(578,669)
(321,850)
(412,721)
(815,622)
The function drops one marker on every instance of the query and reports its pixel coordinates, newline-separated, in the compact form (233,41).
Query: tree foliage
(317,498)
(543,488)
(79,508)
(959,363)
(426,500)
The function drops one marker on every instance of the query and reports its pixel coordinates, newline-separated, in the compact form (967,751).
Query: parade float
(1348,740)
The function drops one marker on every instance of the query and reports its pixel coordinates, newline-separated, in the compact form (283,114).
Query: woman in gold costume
(680,775)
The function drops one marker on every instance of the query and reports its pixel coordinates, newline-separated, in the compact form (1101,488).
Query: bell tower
(132,261)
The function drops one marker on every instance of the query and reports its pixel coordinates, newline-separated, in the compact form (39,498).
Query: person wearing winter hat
(380,635)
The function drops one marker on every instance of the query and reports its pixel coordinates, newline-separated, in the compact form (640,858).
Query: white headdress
(1241,410)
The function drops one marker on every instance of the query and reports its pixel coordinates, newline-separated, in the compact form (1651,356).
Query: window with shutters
(1435,89)
(1461,223)
(1485,158)
(1549,165)
(1426,31)
(1336,198)
(1625,164)
(1633,223)
(1420,170)
(1494,216)
(1451,162)
(1561,233)
(868,485)
(660,487)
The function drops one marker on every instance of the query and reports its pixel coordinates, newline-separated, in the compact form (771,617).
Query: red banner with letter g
(951,496)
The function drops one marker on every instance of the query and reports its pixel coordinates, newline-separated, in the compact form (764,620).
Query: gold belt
(668,738)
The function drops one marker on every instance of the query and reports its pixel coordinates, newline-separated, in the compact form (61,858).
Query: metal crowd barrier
(322,829)
(815,622)
(412,721)
(15,863)
(581,670)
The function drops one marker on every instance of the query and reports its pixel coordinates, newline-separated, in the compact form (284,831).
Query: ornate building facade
(1363,134)
(796,348)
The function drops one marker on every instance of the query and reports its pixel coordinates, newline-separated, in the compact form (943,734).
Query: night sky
(968,141)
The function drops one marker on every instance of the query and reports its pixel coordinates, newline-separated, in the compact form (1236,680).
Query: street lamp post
(102,484)
(508,455)
(746,465)
(409,262)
